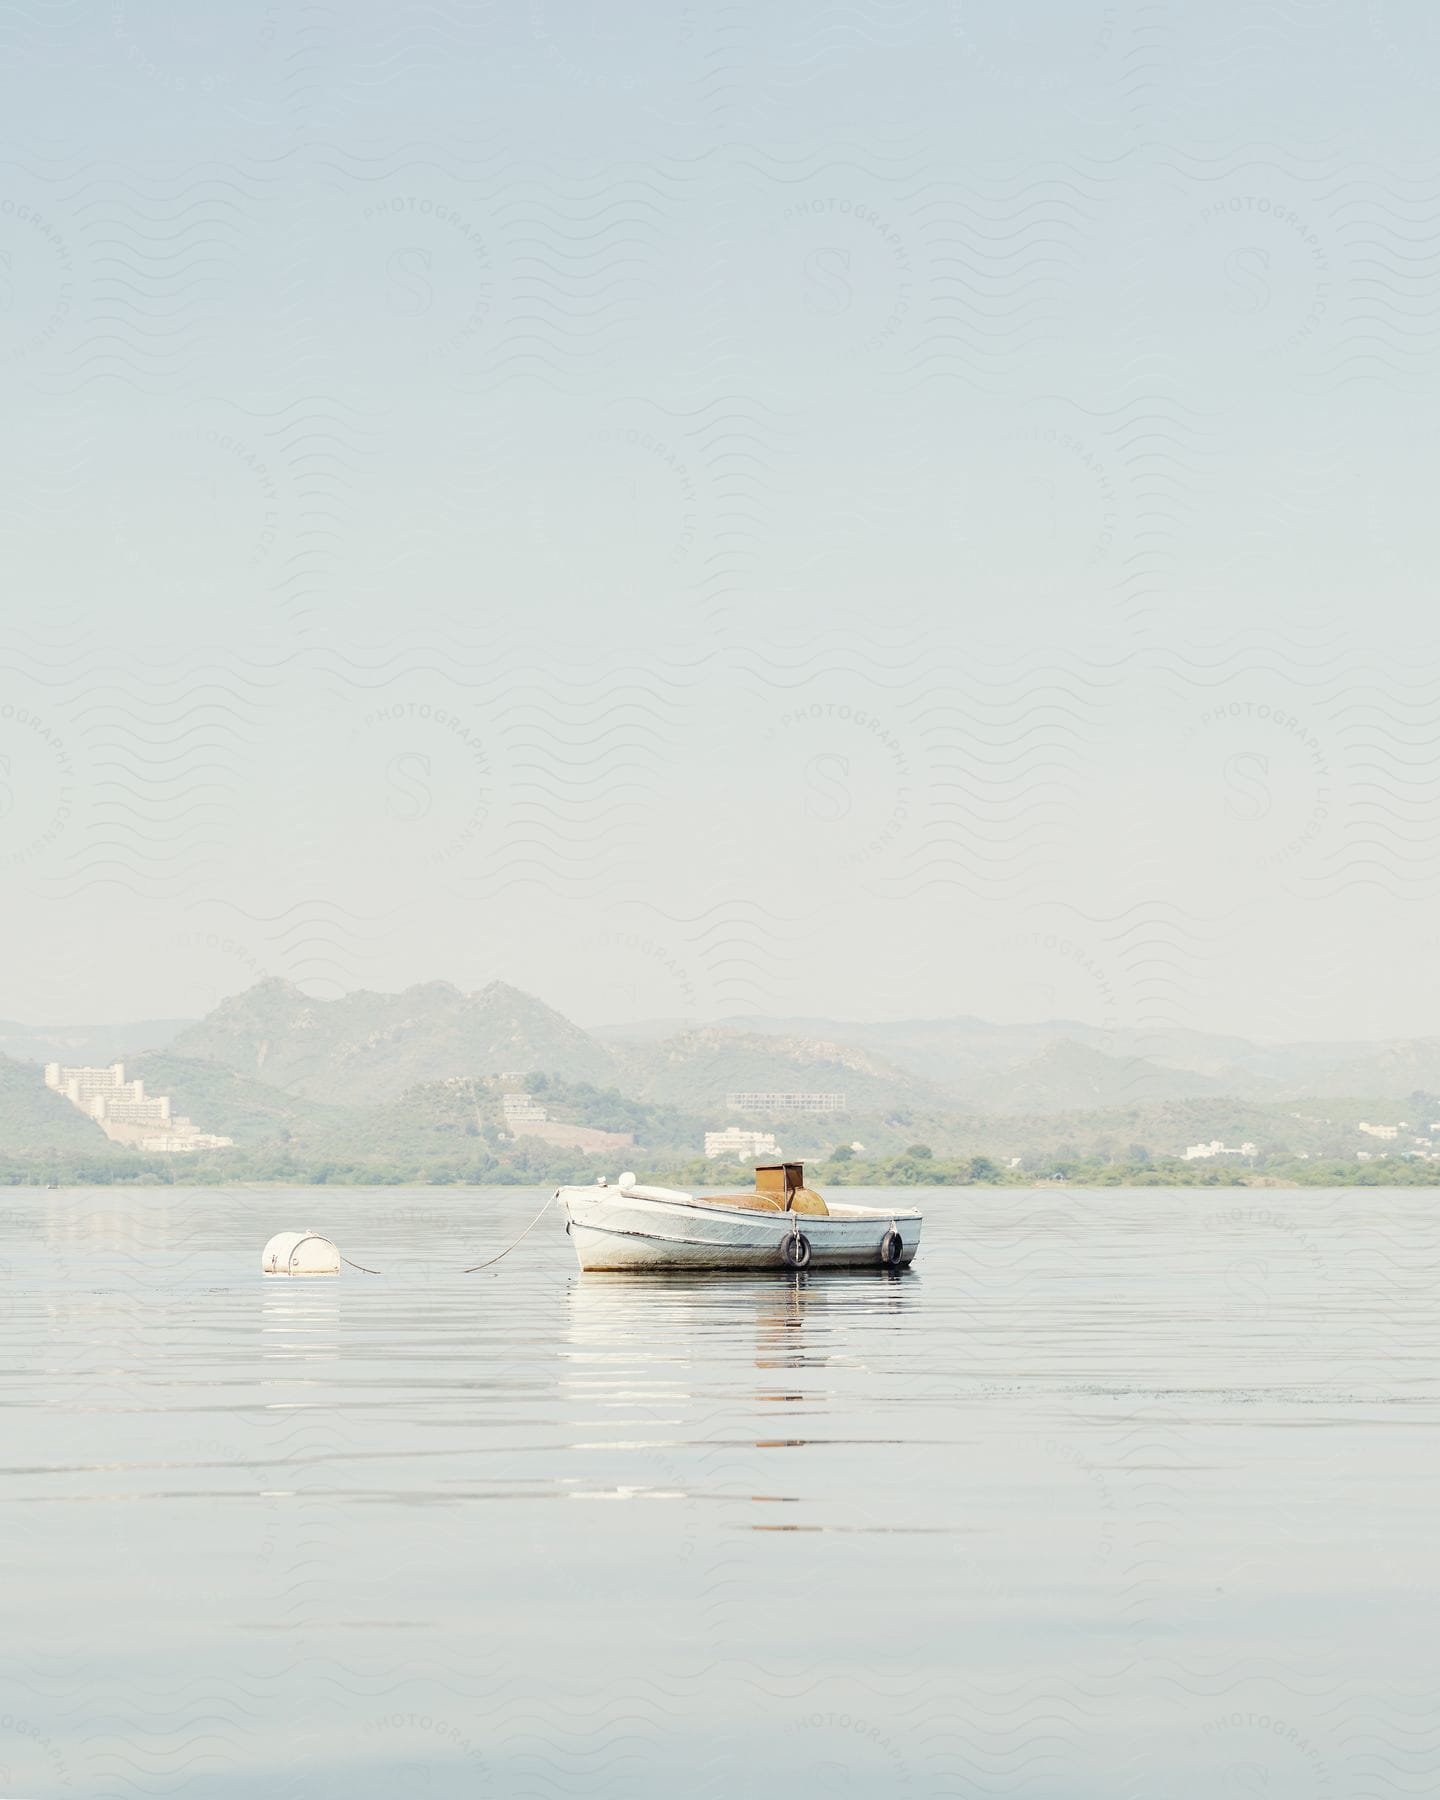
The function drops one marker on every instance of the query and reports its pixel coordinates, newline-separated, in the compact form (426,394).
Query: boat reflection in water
(670,1345)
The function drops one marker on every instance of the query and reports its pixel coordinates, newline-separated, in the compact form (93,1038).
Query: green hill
(433,1122)
(697,1069)
(1070,1077)
(653,1125)
(34,1122)
(252,1112)
(376,1047)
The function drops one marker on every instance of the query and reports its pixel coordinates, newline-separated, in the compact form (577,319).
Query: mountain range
(370,1046)
(1063,1062)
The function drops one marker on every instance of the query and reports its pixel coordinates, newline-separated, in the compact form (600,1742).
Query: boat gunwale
(645,1237)
(696,1204)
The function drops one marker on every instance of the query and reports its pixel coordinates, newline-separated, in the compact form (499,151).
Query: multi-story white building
(133,1108)
(181,1142)
(523,1109)
(1379,1131)
(80,1086)
(125,1112)
(773,1103)
(106,1094)
(738,1145)
(1196,1152)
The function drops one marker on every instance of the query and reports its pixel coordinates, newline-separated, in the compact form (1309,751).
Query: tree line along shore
(538,1166)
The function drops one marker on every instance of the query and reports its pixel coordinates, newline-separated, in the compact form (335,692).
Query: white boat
(781,1225)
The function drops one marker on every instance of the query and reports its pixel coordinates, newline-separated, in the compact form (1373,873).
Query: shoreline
(1025,1184)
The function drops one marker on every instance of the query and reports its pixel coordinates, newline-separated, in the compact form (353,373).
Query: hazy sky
(860,509)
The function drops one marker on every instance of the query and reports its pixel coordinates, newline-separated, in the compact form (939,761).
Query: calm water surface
(1114,1494)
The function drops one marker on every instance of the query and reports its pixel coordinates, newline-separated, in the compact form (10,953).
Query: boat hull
(613,1231)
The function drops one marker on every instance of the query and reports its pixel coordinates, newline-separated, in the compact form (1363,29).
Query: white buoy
(299,1253)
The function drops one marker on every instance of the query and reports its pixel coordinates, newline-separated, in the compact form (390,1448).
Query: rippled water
(1113,1494)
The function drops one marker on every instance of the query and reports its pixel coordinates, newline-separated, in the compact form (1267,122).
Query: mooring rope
(477,1266)
(523,1235)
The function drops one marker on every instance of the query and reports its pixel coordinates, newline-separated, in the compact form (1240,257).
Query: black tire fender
(892,1248)
(795,1250)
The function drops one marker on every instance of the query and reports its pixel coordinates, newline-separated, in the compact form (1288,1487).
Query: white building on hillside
(106,1095)
(182,1142)
(1196,1152)
(738,1145)
(80,1086)
(773,1103)
(126,1113)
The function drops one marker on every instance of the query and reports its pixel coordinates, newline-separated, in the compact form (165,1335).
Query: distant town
(144,1122)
